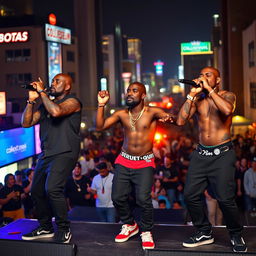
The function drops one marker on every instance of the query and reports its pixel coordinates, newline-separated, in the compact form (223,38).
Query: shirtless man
(135,164)
(213,161)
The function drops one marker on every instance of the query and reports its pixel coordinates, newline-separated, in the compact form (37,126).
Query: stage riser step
(191,253)
(29,248)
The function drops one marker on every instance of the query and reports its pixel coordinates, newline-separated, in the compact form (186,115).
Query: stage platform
(96,239)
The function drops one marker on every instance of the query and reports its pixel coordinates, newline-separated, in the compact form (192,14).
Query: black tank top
(60,134)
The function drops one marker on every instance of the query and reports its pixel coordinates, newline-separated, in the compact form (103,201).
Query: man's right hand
(196,90)
(103,97)
(33,95)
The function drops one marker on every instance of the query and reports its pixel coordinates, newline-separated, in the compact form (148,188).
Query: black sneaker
(199,238)
(62,236)
(38,233)
(238,243)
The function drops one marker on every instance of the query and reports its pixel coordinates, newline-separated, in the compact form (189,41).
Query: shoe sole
(237,251)
(37,237)
(210,241)
(148,248)
(125,239)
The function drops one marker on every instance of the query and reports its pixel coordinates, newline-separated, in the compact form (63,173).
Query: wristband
(31,102)
(101,105)
(189,97)
(211,91)
(41,91)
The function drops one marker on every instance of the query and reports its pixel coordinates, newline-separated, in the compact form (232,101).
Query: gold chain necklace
(134,120)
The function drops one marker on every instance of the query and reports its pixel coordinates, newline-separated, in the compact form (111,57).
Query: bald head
(68,79)
(141,85)
(215,71)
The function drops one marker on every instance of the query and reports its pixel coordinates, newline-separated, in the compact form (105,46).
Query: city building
(236,16)
(134,53)
(249,71)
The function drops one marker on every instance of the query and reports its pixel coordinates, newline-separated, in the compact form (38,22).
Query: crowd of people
(91,180)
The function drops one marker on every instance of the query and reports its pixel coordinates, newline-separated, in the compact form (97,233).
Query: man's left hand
(38,85)
(167,119)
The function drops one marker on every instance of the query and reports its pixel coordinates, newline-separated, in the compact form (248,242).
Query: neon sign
(196,47)
(14,37)
(159,67)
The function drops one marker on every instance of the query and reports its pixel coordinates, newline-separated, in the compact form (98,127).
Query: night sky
(161,25)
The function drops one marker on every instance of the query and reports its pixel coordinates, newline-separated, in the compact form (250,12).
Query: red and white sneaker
(127,231)
(147,240)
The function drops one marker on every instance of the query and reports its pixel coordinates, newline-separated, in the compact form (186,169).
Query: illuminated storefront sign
(196,47)
(14,37)
(2,103)
(57,34)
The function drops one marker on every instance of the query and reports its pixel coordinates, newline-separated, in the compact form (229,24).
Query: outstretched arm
(164,117)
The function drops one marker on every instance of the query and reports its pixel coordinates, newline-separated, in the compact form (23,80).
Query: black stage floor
(98,238)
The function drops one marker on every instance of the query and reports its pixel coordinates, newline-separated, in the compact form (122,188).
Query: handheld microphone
(28,87)
(31,88)
(190,82)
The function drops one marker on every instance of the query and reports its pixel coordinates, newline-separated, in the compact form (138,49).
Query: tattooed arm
(225,102)
(65,108)
(186,112)
(29,117)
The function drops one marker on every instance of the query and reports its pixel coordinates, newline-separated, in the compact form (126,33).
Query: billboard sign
(16,144)
(54,60)
(57,34)
(196,47)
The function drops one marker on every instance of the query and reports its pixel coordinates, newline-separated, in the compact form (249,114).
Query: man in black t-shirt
(76,189)
(59,120)
(170,178)
(10,198)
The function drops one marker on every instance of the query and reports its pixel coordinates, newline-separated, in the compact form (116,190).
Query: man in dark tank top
(59,121)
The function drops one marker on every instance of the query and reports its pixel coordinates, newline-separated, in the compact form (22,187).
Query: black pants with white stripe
(219,172)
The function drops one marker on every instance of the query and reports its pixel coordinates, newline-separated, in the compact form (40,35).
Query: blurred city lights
(83,125)
(158,137)
(112,111)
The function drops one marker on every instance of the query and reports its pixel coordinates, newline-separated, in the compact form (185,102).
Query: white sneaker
(147,240)
(127,231)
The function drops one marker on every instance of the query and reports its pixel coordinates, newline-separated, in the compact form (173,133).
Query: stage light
(158,137)
(83,125)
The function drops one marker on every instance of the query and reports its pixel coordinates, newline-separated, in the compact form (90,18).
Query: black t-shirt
(14,203)
(76,191)
(170,173)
